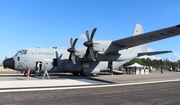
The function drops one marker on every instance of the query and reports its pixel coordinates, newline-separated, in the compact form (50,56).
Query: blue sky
(46,23)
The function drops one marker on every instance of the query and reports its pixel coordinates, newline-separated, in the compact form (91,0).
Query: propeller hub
(88,43)
(71,50)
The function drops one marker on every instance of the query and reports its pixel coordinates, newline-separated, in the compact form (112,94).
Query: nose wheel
(25,73)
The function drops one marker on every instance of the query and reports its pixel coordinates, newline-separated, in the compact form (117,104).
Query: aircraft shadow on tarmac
(53,76)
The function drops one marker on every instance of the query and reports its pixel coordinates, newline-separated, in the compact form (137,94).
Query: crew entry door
(38,66)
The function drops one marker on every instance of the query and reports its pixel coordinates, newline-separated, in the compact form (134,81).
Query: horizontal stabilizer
(153,53)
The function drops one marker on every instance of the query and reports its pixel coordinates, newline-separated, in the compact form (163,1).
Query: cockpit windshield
(21,52)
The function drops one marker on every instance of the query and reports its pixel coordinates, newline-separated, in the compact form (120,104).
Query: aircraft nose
(9,63)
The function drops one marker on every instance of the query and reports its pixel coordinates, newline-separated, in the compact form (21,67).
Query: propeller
(72,50)
(89,44)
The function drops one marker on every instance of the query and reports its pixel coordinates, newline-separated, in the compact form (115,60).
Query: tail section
(139,30)
(142,49)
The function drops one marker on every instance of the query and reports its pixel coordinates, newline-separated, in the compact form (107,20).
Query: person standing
(45,73)
(129,70)
(144,69)
(162,70)
(28,72)
(150,69)
(125,71)
(171,69)
(135,69)
(38,66)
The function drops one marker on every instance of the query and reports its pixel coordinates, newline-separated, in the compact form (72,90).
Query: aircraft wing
(153,53)
(146,37)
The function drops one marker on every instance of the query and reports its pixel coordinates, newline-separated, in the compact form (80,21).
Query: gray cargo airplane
(98,56)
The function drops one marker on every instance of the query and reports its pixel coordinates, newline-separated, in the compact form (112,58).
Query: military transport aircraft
(98,56)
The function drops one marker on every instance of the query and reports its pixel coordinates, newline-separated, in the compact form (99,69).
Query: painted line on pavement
(83,87)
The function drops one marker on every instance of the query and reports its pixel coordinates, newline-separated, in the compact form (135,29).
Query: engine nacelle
(102,46)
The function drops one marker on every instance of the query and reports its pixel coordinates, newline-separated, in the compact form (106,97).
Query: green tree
(166,63)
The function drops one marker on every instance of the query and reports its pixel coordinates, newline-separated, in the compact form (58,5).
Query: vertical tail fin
(139,30)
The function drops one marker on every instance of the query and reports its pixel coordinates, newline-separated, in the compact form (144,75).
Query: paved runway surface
(152,89)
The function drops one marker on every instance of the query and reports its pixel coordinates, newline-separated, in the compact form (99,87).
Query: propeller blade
(89,44)
(70,56)
(91,50)
(87,35)
(96,54)
(71,42)
(73,58)
(57,56)
(72,50)
(75,42)
(92,34)
(87,51)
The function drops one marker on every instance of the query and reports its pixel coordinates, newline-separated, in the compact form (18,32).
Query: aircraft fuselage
(56,60)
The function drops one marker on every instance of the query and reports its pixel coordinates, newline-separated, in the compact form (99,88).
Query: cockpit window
(19,52)
(22,52)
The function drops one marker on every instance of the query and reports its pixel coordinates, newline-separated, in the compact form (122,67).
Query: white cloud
(150,49)
(151,57)
(172,9)
(83,37)
(177,55)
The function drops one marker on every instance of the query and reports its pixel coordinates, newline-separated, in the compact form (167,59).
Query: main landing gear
(110,63)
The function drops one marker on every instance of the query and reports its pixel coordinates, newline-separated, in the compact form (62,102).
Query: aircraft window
(15,55)
(23,52)
(19,52)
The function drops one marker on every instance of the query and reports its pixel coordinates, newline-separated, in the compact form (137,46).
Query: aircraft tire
(75,74)
(81,74)
(95,75)
(25,73)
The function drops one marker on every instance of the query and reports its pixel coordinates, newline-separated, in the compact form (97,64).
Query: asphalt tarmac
(152,89)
